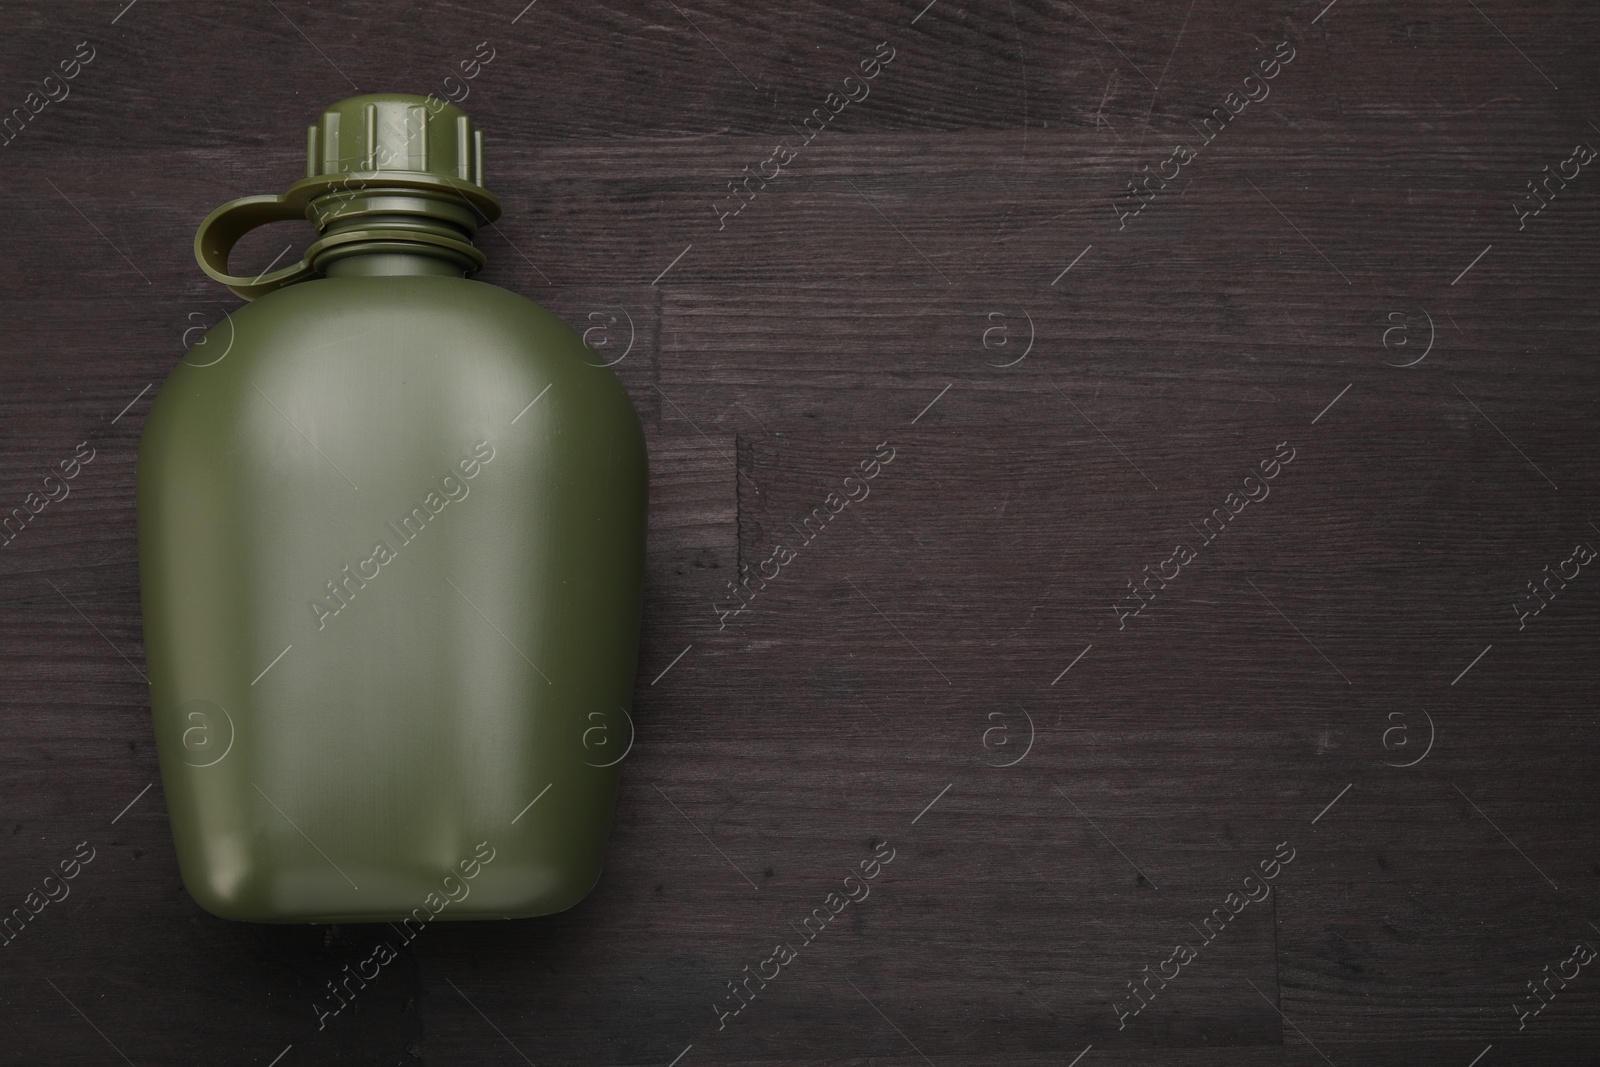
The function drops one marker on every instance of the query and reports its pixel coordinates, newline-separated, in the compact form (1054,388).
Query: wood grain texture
(1068,396)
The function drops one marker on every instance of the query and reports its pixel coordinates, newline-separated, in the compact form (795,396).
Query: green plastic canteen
(391,554)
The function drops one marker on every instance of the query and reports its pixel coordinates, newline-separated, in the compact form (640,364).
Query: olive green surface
(391,539)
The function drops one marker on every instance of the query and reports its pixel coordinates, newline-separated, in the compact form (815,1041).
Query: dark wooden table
(1343,264)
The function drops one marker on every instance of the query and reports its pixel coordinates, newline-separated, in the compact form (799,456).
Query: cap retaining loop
(406,154)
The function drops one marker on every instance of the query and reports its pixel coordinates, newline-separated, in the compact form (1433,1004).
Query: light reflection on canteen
(603,333)
(998,337)
(342,589)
